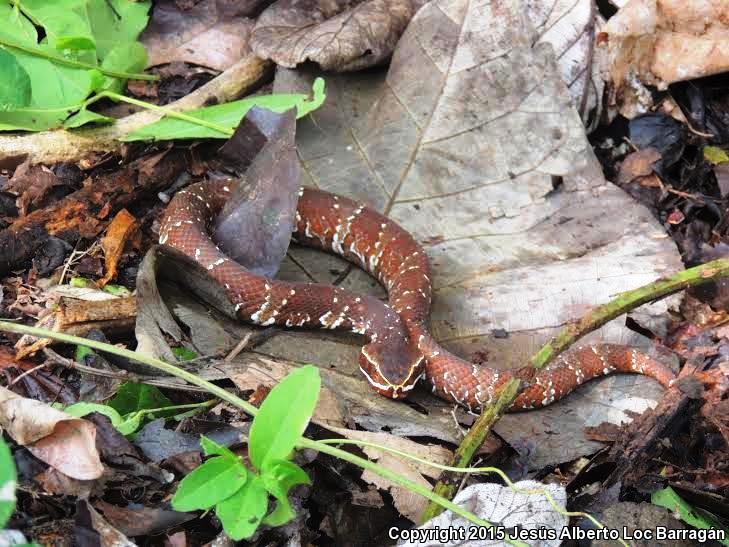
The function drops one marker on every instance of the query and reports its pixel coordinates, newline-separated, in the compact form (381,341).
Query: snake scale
(400,349)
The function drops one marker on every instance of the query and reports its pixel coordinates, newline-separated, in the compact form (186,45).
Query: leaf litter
(424,141)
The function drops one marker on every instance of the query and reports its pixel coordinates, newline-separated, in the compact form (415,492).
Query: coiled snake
(400,348)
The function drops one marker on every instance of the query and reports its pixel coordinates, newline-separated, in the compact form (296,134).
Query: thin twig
(118,375)
(26,373)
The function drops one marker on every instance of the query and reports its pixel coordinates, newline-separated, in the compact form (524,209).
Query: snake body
(400,348)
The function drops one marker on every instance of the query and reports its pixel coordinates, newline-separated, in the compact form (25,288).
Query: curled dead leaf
(658,42)
(60,440)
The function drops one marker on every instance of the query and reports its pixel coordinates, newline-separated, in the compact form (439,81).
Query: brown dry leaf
(638,164)
(659,42)
(408,503)
(122,230)
(341,35)
(212,33)
(470,142)
(31,183)
(60,440)
(107,534)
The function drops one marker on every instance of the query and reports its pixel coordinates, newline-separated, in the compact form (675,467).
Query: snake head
(392,369)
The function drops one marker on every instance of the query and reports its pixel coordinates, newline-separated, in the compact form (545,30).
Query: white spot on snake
(269,321)
(197,254)
(226,189)
(216,263)
(325,318)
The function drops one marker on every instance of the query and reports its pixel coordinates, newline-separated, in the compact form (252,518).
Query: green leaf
(133,397)
(210,483)
(65,24)
(283,416)
(278,478)
(81,353)
(715,155)
(184,354)
(130,423)
(130,57)
(211,448)
(8,482)
(228,115)
(82,117)
(79,30)
(242,512)
(115,22)
(14,83)
(81,282)
(82,409)
(669,499)
(116,290)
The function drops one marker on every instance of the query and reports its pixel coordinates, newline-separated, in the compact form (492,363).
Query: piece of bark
(79,317)
(122,232)
(87,212)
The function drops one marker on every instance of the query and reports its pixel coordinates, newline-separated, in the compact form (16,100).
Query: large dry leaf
(340,35)
(60,440)
(658,42)
(471,143)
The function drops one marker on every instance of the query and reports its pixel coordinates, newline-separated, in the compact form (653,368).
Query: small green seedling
(241,495)
(133,405)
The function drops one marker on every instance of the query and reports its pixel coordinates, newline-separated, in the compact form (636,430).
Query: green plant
(89,51)
(669,498)
(240,495)
(89,46)
(7,483)
(132,404)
